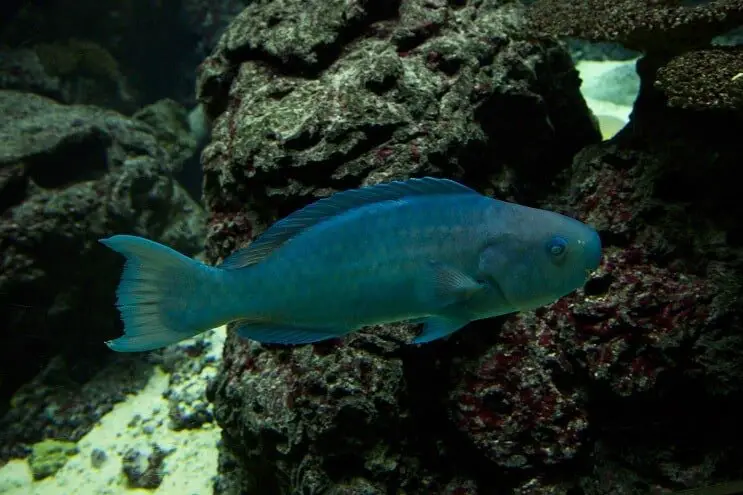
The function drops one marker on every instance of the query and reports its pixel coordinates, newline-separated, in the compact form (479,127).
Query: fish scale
(366,246)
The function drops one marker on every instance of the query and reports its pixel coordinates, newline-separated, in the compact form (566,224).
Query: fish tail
(163,296)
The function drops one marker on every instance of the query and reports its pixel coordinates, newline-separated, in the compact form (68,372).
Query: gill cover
(531,273)
(500,265)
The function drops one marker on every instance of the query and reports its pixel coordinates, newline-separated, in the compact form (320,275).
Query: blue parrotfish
(422,250)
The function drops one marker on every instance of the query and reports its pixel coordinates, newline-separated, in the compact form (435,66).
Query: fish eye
(557,245)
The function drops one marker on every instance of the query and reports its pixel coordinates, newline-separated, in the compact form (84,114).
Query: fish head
(539,257)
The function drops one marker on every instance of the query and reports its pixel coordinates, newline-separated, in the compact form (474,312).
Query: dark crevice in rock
(79,159)
(13,184)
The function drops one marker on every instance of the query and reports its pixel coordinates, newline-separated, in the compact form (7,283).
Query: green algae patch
(50,456)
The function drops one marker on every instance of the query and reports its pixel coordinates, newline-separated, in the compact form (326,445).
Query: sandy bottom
(188,470)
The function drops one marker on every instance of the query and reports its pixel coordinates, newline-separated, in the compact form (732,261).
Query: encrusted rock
(144,470)
(647,26)
(445,90)
(308,98)
(65,401)
(642,368)
(70,175)
(677,41)
(169,123)
(511,398)
(21,70)
(704,79)
(302,402)
(190,367)
(50,456)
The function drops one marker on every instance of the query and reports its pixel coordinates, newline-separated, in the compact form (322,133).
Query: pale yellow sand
(188,470)
(609,125)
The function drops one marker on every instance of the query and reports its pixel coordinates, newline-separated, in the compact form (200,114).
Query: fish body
(427,249)
(369,266)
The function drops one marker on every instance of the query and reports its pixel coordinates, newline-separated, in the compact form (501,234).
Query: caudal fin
(163,296)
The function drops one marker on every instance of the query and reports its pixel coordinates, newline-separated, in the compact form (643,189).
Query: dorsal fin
(334,205)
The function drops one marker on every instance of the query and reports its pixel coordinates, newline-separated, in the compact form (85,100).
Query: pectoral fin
(268,333)
(437,327)
(449,285)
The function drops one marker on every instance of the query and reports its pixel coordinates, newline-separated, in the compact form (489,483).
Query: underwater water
(510,260)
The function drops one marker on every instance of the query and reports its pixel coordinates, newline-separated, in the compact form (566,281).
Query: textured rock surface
(678,40)
(658,339)
(22,70)
(70,175)
(208,19)
(144,471)
(704,79)
(64,401)
(169,122)
(442,90)
(73,71)
(658,25)
(310,98)
(154,46)
(190,366)
(627,386)
(50,456)
(297,402)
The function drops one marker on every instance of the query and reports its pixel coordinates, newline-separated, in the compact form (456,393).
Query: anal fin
(268,333)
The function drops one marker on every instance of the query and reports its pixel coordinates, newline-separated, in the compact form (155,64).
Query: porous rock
(308,98)
(656,337)
(50,456)
(640,368)
(647,26)
(66,399)
(144,469)
(111,53)
(70,175)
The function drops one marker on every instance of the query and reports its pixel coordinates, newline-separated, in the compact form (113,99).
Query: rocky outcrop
(627,386)
(111,53)
(308,98)
(70,175)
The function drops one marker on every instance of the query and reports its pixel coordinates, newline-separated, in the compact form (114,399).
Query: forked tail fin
(163,296)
